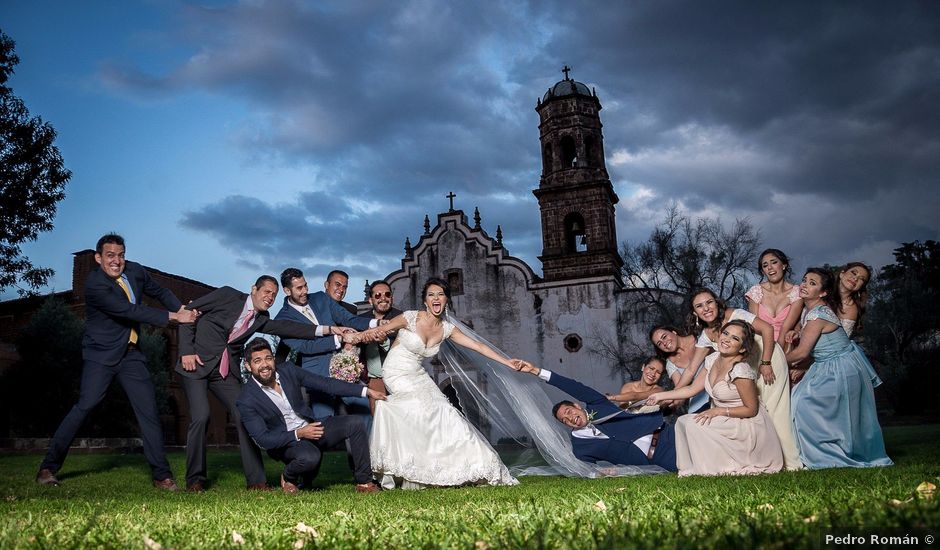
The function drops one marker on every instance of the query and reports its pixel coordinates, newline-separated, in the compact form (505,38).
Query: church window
(569,154)
(575,236)
(547,158)
(572,343)
(454,278)
(588,151)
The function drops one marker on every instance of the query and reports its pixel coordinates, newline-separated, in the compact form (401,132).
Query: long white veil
(514,411)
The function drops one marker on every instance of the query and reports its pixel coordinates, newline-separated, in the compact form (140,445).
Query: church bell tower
(576,198)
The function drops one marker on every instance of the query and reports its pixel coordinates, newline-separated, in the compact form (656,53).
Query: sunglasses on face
(381,294)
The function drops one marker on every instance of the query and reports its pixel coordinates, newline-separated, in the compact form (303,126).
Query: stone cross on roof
(451,196)
(566,70)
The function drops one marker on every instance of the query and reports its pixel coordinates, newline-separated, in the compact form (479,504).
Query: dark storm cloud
(806,117)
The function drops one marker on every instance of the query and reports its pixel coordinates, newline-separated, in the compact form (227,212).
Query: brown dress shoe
(260,487)
(288,487)
(166,484)
(47,477)
(196,487)
(370,487)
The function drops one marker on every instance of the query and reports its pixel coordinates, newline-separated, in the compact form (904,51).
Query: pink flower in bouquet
(345,366)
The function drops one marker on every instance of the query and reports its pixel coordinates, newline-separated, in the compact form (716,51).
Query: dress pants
(226,390)
(131,371)
(302,458)
(322,405)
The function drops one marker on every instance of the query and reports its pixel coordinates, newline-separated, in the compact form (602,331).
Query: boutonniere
(591,416)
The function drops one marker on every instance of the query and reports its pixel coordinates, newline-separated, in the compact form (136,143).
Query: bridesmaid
(735,436)
(776,300)
(853,295)
(710,312)
(682,358)
(647,385)
(834,406)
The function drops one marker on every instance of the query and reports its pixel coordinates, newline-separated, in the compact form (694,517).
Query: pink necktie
(236,332)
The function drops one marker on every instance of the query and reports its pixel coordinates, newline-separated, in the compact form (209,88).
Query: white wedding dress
(418,437)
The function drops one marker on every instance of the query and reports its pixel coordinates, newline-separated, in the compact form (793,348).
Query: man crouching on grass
(276,416)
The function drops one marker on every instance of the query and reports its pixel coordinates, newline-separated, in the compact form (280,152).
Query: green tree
(40,389)
(902,330)
(32,181)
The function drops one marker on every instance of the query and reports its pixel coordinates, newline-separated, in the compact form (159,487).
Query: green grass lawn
(106,501)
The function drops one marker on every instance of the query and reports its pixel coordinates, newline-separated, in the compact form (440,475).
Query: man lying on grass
(278,419)
(601,431)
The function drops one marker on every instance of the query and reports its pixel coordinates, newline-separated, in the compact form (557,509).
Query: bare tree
(682,254)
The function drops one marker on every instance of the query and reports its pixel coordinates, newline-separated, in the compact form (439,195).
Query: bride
(418,438)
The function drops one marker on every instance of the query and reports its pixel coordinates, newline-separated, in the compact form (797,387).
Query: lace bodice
(412,342)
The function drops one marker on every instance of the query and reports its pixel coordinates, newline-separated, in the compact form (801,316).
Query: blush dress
(418,438)
(726,445)
(775,397)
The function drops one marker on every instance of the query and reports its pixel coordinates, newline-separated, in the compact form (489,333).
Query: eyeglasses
(381,294)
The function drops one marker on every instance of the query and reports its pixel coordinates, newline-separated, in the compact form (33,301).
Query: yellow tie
(120,282)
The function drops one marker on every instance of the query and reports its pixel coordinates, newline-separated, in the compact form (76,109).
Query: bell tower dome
(576,198)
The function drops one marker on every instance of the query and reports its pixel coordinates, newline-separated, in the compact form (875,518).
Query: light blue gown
(833,408)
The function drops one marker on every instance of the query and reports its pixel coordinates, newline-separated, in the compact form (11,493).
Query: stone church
(574,318)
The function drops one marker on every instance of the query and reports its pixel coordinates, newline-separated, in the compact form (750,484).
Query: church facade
(575,318)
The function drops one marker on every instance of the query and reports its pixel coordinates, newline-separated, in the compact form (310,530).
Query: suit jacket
(622,429)
(109,315)
(264,421)
(208,336)
(315,354)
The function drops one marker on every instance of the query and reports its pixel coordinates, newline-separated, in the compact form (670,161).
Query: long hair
(696,325)
(777,253)
(860,296)
(669,328)
(747,344)
(827,283)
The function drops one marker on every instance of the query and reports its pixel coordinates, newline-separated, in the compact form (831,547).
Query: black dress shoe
(196,487)
(47,477)
(260,487)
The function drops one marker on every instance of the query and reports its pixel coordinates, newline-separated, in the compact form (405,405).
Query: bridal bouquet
(345,366)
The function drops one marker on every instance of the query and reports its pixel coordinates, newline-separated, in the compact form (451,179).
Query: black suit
(208,338)
(265,423)
(109,318)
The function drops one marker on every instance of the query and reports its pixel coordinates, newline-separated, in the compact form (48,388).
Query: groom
(602,431)
(277,418)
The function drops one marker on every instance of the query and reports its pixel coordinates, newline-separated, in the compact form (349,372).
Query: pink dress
(755,294)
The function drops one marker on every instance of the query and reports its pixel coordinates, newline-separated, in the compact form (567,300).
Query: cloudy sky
(227,139)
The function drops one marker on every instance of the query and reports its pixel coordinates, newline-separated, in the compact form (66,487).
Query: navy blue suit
(109,318)
(265,423)
(622,430)
(315,354)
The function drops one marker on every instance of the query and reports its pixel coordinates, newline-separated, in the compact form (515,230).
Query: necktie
(127,292)
(308,313)
(236,332)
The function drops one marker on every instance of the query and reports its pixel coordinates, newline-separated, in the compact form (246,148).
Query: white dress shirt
(593,432)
